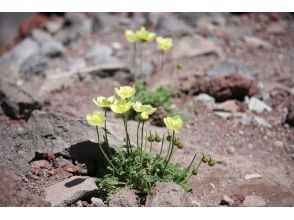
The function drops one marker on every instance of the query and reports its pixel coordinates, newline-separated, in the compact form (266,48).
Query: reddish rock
(223,88)
(238,198)
(35,21)
(40,164)
(47,155)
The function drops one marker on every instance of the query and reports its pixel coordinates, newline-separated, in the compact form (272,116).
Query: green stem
(188,168)
(145,141)
(102,151)
(169,148)
(151,143)
(138,128)
(127,135)
(161,144)
(142,134)
(171,152)
(106,138)
(135,60)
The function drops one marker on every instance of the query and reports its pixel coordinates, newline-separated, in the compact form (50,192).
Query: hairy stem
(171,151)
(188,167)
(162,140)
(138,128)
(106,138)
(102,151)
(142,134)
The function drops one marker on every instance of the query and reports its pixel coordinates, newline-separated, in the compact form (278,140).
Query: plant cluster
(137,165)
(142,36)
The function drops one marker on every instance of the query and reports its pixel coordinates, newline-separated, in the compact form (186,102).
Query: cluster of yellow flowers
(123,105)
(142,35)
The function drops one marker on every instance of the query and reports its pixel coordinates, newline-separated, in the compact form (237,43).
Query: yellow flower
(173,123)
(145,35)
(125,91)
(96,118)
(145,110)
(131,36)
(104,102)
(137,106)
(120,106)
(164,43)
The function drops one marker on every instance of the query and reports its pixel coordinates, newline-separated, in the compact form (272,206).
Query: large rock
(11,61)
(13,194)
(15,149)
(69,137)
(169,25)
(229,67)
(16,102)
(123,198)
(196,45)
(223,88)
(168,195)
(101,54)
(34,64)
(71,190)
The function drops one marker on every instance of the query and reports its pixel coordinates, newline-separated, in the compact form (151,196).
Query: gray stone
(226,200)
(96,202)
(169,25)
(190,18)
(229,67)
(252,176)
(71,190)
(15,149)
(227,106)
(246,119)
(218,19)
(123,198)
(54,25)
(34,64)
(262,122)
(203,97)
(168,195)
(69,137)
(40,35)
(79,24)
(11,61)
(257,105)
(257,42)
(224,115)
(254,201)
(16,102)
(101,54)
(52,48)
(195,45)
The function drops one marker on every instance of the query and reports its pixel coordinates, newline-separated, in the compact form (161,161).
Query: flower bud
(211,163)
(168,137)
(206,158)
(157,138)
(194,172)
(180,145)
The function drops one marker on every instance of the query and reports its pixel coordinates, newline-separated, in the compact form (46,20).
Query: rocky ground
(236,90)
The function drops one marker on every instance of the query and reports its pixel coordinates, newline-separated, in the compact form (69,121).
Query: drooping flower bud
(211,163)
(206,158)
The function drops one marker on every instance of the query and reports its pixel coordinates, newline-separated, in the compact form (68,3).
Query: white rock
(203,97)
(257,42)
(252,176)
(224,115)
(262,122)
(257,105)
